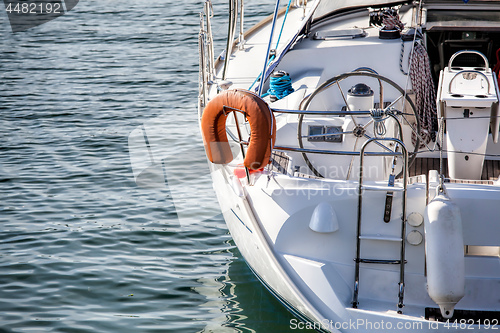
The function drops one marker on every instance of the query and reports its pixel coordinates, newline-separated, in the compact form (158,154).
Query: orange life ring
(262,128)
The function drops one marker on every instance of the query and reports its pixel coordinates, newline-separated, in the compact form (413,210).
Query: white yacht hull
(318,290)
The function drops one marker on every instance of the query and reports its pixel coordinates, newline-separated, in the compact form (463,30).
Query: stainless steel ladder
(389,189)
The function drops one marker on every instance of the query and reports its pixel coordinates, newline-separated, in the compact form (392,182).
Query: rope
(283,24)
(258,77)
(391,21)
(280,86)
(401,56)
(378,122)
(425,96)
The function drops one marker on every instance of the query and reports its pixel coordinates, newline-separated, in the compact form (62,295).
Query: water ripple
(82,248)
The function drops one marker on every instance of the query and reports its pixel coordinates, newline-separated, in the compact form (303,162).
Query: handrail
(209,41)
(206,53)
(486,63)
(327,152)
(202,98)
(324,113)
(241,37)
(335,152)
(469,71)
(318,151)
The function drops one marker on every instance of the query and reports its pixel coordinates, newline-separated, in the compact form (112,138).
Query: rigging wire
(273,56)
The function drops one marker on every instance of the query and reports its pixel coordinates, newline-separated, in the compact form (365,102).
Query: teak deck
(421,166)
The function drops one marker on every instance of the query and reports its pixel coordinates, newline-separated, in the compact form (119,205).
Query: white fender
(444,248)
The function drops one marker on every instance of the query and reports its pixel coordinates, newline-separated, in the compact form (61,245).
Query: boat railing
(389,112)
(241,37)
(323,113)
(202,94)
(387,153)
(206,52)
(335,152)
(233,20)
(318,151)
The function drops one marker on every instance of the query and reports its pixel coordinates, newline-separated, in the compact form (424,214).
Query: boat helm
(360,98)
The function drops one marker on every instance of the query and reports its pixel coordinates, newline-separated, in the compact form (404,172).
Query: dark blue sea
(86,244)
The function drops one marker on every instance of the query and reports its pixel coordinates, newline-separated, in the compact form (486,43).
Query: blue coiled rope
(280,86)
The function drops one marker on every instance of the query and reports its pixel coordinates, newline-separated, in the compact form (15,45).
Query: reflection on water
(245,304)
(82,247)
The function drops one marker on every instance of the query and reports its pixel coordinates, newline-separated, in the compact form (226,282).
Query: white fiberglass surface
(329,6)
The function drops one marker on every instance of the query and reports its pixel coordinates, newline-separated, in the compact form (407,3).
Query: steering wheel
(359,130)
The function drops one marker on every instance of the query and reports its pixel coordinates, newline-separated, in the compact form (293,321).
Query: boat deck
(421,166)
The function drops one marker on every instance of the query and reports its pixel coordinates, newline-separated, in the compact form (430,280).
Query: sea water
(85,246)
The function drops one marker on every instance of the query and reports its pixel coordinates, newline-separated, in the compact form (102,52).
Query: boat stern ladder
(359,237)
